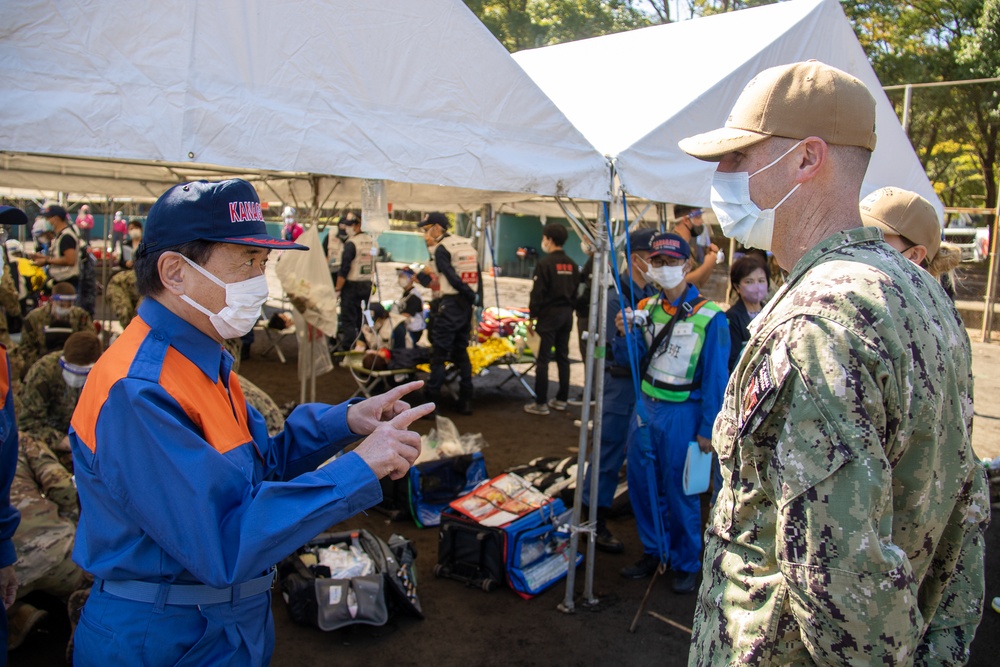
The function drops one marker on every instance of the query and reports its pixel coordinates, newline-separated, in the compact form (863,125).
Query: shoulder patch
(758,387)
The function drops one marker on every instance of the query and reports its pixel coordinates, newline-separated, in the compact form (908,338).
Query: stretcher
(490,354)
(370,382)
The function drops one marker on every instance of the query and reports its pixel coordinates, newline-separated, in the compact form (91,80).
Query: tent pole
(594,370)
(991,284)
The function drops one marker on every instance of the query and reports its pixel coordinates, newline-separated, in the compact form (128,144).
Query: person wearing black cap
(689,225)
(64,252)
(9,516)
(354,280)
(553,295)
(454,277)
(619,392)
(188,500)
(683,349)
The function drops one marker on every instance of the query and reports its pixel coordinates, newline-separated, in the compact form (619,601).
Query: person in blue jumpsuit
(683,380)
(9,516)
(186,501)
(619,393)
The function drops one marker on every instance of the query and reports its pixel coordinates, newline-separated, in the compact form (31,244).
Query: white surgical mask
(74,376)
(404,282)
(243,302)
(135,234)
(740,218)
(667,277)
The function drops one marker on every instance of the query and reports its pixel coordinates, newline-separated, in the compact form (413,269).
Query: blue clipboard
(697,470)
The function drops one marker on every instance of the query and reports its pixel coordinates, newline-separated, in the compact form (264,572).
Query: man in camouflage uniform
(264,404)
(41,332)
(43,492)
(849,529)
(122,296)
(48,398)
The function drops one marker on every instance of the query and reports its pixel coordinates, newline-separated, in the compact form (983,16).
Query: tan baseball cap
(807,99)
(903,213)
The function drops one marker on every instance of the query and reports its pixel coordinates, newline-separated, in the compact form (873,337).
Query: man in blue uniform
(619,392)
(9,516)
(187,502)
(684,353)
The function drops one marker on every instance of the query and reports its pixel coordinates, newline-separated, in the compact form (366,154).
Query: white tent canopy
(125,98)
(696,69)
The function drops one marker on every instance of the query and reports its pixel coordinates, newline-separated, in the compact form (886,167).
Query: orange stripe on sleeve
(109,369)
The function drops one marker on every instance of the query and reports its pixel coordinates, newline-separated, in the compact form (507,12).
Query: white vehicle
(973,241)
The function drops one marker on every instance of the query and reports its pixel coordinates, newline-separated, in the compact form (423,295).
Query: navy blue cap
(435,218)
(639,240)
(222,212)
(10,215)
(53,211)
(669,245)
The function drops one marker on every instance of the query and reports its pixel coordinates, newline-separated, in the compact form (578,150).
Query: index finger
(407,417)
(402,390)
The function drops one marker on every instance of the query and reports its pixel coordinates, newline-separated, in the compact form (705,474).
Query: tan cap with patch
(807,99)
(903,213)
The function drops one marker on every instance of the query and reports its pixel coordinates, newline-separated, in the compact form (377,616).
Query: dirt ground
(466,626)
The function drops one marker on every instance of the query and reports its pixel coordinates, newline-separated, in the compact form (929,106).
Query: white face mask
(74,376)
(740,218)
(667,277)
(243,302)
(135,234)
(404,282)
(74,381)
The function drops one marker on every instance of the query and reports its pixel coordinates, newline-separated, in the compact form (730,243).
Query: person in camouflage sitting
(44,493)
(46,328)
(52,388)
(122,296)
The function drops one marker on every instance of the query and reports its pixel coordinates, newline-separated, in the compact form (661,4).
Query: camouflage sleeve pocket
(796,442)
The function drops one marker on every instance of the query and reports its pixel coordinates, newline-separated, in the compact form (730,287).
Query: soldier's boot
(22,618)
(75,607)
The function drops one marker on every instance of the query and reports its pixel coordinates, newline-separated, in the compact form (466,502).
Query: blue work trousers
(671,427)
(619,405)
(115,631)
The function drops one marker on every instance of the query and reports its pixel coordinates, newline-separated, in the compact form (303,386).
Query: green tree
(954,129)
(526,24)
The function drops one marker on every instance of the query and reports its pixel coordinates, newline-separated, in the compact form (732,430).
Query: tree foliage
(527,24)
(954,129)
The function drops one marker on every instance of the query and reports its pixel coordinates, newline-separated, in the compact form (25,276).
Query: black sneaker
(644,567)
(685,582)
(607,542)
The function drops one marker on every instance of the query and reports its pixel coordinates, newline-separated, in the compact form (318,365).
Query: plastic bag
(444,440)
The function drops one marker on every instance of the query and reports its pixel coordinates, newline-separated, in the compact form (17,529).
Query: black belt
(658,384)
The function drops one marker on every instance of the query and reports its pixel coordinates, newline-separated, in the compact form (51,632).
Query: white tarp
(634,95)
(416,92)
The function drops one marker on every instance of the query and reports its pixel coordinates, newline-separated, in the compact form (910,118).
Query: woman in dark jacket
(750,282)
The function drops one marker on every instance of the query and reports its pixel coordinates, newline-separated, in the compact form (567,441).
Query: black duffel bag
(316,599)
